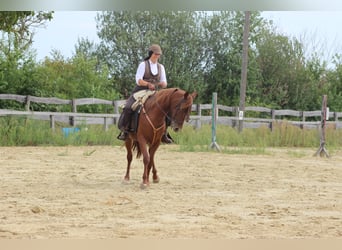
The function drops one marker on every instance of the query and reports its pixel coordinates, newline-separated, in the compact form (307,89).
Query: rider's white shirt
(154,69)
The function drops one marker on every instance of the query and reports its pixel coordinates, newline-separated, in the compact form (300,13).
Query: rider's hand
(151,86)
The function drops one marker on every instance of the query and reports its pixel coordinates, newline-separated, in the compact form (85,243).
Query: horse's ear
(186,94)
(193,95)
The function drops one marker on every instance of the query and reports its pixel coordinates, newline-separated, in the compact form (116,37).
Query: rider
(150,75)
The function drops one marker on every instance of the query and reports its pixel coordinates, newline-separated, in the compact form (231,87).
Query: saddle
(140,97)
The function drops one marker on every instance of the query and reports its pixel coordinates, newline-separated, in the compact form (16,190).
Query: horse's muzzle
(176,129)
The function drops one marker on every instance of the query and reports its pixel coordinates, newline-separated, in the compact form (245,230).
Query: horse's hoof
(144,185)
(156,180)
(125,181)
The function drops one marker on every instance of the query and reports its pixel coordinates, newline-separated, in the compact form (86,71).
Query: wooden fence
(254,116)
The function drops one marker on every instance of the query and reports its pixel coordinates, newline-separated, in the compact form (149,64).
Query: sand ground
(77,192)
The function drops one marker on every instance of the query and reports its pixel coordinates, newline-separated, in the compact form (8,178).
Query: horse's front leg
(128,144)
(146,161)
(152,152)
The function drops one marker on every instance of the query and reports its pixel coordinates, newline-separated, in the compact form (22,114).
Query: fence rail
(254,116)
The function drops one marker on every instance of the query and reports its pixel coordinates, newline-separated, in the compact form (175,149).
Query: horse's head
(181,104)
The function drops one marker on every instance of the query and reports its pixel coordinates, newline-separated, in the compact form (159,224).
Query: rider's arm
(163,82)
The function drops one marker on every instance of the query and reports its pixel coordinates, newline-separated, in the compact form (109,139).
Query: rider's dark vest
(148,76)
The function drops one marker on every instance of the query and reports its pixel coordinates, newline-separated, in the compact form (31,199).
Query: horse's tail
(137,148)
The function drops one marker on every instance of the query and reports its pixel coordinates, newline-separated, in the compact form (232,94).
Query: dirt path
(77,192)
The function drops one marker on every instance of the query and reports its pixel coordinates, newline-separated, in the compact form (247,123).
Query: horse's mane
(160,96)
(166,93)
(183,95)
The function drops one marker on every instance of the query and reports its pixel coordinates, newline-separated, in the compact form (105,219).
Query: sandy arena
(77,192)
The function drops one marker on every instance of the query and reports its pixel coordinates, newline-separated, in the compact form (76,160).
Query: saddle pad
(140,97)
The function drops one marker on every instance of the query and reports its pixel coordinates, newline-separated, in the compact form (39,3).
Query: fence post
(335,119)
(116,110)
(199,113)
(235,121)
(105,124)
(74,110)
(52,122)
(273,119)
(303,120)
(214,115)
(322,150)
(27,103)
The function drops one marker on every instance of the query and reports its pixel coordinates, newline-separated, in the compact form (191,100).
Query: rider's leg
(125,119)
(166,136)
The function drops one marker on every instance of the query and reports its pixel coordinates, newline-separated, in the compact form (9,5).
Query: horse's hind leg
(128,144)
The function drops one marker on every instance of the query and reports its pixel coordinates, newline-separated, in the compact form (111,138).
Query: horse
(171,103)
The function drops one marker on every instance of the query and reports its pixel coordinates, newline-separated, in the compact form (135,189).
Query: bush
(27,132)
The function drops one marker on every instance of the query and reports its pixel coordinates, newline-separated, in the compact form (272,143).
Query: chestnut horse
(172,103)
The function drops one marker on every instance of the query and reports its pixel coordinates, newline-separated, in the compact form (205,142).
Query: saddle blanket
(141,97)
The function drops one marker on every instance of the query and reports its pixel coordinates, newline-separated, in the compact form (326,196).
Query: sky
(320,29)
(63,32)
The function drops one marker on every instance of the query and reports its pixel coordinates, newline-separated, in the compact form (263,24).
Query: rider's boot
(124,123)
(166,138)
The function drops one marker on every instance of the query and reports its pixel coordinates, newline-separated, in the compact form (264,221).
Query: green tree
(224,31)
(77,77)
(201,51)
(126,37)
(20,24)
(288,79)
(333,86)
(17,63)
(278,58)
(16,67)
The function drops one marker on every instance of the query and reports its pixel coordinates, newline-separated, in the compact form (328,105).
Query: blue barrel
(67,131)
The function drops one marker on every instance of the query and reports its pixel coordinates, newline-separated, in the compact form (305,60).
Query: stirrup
(122,136)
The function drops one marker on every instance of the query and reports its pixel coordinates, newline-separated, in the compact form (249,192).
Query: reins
(162,110)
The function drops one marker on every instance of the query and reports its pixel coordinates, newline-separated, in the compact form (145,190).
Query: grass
(27,132)
(254,141)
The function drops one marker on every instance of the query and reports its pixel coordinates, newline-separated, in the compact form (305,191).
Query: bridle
(172,119)
(178,108)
